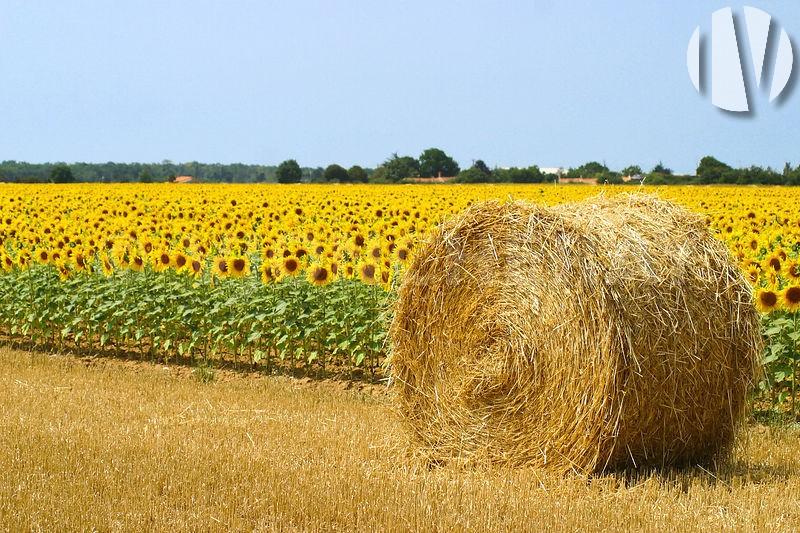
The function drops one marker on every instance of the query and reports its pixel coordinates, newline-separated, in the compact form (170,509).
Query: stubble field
(91,444)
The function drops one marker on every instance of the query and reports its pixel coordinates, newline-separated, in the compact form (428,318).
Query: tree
(632,170)
(61,173)
(480,165)
(396,169)
(531,174)
(609,177)
(592,169)
(434,161)
(357,174)
(473,175)
(315,175)
(145,176)
(335,174)
(712,170)
(289,172)
(661,169)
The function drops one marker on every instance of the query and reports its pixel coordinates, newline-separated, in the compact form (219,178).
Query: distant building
(586,181)
(636,178)
(558,171)
(184,179)
(432,179)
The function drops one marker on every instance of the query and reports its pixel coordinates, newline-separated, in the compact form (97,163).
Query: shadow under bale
(612,333)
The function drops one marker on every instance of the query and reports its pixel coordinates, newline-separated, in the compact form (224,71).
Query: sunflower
(403,254)
(239,266)
(194,267)
(753,274)
(358,240)
(137,263)
(375,251)
(386,279)
(766,300)
(220,268)
(106,265)
(79,260)
(268,252)
(793,271)
(318,275)
(773,263)
(291,266)
(791,298)
(162,261)
(6,262)
(269,274)
(180,262)
(63,271)
(42,257)
(366,272)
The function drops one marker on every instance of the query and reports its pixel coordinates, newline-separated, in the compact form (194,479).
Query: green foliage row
(275,327)
(781,364)
(160,316)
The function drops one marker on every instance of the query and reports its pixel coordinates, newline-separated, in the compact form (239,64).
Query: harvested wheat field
(111,446)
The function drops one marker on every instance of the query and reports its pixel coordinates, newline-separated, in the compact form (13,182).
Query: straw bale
(612,333)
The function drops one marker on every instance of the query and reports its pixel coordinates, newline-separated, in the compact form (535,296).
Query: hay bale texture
(612,333)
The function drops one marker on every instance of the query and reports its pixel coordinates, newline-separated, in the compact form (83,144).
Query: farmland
(160,294)
(95,444)
(282,277)
(297,278)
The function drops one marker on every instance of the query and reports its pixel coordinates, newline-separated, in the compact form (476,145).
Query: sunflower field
(280,277)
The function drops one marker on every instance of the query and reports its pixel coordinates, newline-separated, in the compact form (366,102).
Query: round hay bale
(612,333)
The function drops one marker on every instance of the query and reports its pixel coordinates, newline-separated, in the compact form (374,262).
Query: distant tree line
(432,163)
(15,171)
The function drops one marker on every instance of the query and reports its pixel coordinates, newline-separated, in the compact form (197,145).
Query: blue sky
(351,82)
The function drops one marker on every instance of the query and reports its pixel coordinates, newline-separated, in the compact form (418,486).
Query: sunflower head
(766,300)
(269,274)
(162,261)
(319,275)
(239,266)
(220,268)
(195,267)
(791,298)
(291,265)
(137,263)
(793,270)
(180,261)
(367,272)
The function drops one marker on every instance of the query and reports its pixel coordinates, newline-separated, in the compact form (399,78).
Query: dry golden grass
(122,447)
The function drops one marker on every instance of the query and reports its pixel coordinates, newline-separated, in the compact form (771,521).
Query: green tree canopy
(661,169)
(631,170)
(289,172)
(357,174)
(61,173)
(145,176)
(531,174)
(433,161)
(592,169)
(712,170)
(335,174)
(396,169)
